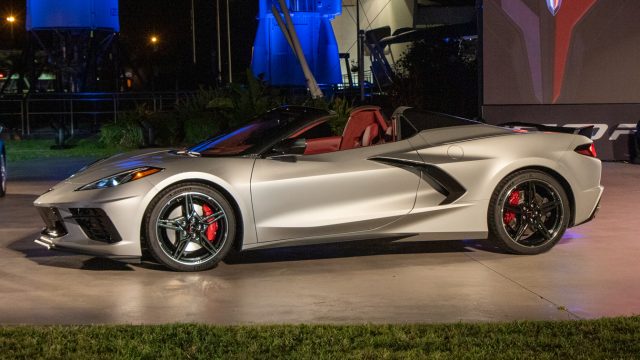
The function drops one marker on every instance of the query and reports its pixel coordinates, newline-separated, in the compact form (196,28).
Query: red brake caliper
(213,228)
(514,200)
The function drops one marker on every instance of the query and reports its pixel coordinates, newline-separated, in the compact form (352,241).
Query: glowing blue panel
(327,8)
(273,58)
(84,14)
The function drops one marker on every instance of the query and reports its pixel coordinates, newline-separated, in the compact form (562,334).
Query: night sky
(170,21)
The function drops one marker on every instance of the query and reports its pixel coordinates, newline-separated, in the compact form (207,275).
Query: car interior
(366,126)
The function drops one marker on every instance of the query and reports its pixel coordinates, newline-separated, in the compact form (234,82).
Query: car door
(333,193)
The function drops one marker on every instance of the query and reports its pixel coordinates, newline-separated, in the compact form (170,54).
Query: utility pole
(360,34)
(193,30)
(229,43)
(219,42)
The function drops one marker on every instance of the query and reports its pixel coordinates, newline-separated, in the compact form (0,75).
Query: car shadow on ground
(351,249)
(63,259)
(360,248)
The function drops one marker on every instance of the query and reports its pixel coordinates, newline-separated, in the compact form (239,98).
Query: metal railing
(84,112)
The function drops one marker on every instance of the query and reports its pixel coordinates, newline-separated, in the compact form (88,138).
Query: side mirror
(290,147)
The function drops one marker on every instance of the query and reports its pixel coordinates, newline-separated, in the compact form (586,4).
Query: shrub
(342,109)
(167,128)
(200,126)
(127,132)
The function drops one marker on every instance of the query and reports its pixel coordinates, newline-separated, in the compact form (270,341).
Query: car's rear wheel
(3,173)
(528,213)
(189,227)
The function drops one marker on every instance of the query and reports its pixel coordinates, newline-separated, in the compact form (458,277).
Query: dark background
(171,22)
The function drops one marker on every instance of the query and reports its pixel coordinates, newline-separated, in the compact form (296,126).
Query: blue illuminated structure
(76,41)
(274,59)
(73,14)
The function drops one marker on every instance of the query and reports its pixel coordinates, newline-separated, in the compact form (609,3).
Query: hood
(123,162)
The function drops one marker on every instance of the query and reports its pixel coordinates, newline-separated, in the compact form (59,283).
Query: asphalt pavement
(593,272)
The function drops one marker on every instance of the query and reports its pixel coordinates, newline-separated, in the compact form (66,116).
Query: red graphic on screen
(566,17)
(565,23)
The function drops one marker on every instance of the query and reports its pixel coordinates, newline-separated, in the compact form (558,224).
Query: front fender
(237,185)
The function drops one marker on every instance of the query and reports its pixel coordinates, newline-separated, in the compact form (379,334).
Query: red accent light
(587,150)
(212,229)
(1,76)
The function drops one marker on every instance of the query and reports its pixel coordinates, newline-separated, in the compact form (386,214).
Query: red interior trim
(323,145)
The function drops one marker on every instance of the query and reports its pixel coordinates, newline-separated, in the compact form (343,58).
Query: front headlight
(121,178)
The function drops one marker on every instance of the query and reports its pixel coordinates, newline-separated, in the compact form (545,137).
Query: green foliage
(199,101)
(207,112)
(319,103)
(127,132)
(617,338)
(18,150)
(167,127)
(253,99)
(342,108)
(200,126)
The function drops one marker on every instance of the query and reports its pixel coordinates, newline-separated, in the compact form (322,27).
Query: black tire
(528,213)
(3,173)
(183,240)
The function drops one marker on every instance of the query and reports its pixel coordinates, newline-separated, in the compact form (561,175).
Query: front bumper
(96,222)
(49,243)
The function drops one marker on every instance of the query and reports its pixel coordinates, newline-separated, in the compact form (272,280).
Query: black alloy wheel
(189,227)
(528,213)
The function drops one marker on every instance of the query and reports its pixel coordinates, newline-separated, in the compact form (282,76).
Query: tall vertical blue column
(275,61)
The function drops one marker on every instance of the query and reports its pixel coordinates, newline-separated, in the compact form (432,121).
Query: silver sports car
(293,176)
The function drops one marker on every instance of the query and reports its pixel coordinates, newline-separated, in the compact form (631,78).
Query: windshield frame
(304,117)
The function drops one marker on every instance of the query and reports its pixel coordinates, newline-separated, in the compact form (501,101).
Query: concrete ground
(593,272)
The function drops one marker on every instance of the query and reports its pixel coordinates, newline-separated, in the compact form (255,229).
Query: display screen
(561,51)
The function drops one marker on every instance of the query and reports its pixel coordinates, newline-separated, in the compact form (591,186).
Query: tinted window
(259,133)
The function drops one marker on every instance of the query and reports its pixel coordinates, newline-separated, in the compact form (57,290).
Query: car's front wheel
(189,227)
(3,173)
(528,213)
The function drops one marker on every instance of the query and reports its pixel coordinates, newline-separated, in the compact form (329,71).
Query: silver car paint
(337,196)
(334,193)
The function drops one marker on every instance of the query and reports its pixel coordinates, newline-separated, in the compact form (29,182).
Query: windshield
(262,132)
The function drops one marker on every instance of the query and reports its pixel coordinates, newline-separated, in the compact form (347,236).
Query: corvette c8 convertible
(292,176)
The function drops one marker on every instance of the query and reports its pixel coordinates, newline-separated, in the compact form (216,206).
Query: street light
(11,20)
(154,40)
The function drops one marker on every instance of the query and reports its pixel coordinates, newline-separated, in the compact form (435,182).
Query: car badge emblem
(554,6)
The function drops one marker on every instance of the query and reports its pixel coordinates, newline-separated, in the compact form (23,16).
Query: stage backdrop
(564,62)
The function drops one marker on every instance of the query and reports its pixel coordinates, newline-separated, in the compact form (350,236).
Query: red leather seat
(362,118)
(371,135)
